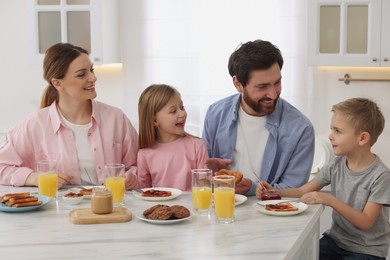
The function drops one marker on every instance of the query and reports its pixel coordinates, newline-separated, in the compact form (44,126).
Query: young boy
(359,182)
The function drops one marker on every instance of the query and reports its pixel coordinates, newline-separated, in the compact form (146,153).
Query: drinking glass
(224,189)
(47,178)
(201,190)
(115,181)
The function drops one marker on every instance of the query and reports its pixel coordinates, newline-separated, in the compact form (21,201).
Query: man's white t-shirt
(252,137)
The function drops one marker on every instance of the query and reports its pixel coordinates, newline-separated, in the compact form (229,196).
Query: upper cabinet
(349,32)
(91,24)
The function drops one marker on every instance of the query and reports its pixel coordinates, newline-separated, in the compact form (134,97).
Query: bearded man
(255,131)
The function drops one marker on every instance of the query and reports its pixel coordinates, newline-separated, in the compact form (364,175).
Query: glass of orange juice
(115,181)
(224,189)
(201,190)
(47,178)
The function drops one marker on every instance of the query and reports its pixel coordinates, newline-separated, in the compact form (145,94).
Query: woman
(81,134)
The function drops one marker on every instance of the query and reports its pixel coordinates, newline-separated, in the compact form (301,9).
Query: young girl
(167,153)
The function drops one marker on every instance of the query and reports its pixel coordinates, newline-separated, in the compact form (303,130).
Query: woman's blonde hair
(151,101)
(364,116)
(55,65)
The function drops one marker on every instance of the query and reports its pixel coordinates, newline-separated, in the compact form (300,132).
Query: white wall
(328,90)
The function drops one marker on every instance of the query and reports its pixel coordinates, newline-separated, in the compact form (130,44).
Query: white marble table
(48,234)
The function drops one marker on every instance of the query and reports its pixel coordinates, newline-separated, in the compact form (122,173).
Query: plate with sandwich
(280,207)
(22,202)
(157,193)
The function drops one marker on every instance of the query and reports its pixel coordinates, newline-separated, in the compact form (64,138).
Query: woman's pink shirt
(112,139)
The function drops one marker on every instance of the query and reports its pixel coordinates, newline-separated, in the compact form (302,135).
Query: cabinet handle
(374,59)
(385,59)
(96,59)
(347,79)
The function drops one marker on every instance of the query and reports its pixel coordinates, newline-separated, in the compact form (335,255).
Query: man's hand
(244,186)
(215,164)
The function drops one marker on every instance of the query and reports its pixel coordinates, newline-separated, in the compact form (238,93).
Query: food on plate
(165,212)
(73,195)
(281,207)
(86,192)
(271,194)
(20,195)
(156,193)
(179,211)
(17,200)
(14,201)
(237,175)
(27,204)
(160,213)
(151,209)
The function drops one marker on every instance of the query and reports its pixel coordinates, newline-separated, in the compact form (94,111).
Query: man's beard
(257,106)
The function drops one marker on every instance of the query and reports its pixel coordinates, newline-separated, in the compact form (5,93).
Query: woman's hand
(63,179)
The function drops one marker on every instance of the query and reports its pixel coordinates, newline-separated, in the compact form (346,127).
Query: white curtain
(187,43)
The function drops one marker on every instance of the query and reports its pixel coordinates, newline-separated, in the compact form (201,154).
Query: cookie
(180,211)
(160,213)
(150,210)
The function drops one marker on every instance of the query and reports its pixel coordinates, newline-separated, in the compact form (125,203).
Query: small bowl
(73,200)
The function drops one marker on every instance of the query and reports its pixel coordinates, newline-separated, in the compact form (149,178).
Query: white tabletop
(47,233)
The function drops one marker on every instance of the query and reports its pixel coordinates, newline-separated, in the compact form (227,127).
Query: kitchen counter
(47,233)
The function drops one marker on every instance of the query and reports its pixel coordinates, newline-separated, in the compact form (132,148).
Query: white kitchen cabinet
(349,32)
(91,24)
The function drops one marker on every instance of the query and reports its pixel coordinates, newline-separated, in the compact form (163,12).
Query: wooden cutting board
(86,216)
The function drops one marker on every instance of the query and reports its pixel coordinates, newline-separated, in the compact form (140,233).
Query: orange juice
(117,187)
(48,184)
(224,202)
(201,197)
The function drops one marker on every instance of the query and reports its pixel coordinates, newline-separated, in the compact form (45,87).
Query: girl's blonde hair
(151,101)
(364,116)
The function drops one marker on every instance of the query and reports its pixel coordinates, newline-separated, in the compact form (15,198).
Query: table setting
(58,228)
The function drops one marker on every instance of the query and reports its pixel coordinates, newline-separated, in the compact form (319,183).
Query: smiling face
(260,95)
(345,140)
(170,120)
(79,81)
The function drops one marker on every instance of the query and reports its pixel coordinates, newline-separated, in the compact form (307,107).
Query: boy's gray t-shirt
(356,189)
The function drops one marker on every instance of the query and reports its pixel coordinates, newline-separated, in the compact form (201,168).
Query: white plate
(163,222)
(175,193)
(260,206)
(239,199)
(42,198)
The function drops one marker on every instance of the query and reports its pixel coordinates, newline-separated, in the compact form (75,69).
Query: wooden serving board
(86,216)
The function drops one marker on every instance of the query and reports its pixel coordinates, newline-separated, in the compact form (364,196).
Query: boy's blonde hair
(151,101)
(364,115)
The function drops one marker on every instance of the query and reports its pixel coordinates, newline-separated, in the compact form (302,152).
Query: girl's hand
(131,181)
